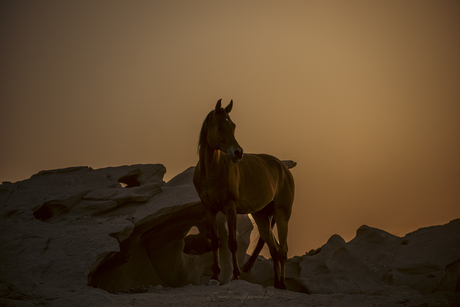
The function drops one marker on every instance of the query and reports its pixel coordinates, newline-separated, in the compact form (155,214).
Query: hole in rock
(43,213)
(129,181)
(50,210)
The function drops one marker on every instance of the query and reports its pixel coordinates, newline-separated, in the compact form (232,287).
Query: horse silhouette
(232,182)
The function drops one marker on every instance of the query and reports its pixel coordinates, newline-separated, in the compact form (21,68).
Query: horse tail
(260,244)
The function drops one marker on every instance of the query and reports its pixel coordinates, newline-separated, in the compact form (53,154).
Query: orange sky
(364,95)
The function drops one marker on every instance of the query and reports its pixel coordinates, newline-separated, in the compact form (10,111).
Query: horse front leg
(230,213)
(214,236)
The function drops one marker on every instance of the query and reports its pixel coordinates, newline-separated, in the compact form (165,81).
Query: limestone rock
(116,228)
(117,236)
(426,261)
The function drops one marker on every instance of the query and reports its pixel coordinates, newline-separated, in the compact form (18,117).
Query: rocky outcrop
(76,236)
(114,228)
(426,260)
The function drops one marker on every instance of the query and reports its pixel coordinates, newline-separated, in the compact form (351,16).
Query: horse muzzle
(235,154)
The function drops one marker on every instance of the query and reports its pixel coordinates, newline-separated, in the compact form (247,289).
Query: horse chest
(215,194)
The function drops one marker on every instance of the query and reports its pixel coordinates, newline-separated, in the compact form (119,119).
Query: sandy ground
(235,293)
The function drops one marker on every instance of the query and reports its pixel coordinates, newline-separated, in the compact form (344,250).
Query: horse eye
(227,119)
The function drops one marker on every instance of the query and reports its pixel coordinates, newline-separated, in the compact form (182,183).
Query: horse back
(262,177)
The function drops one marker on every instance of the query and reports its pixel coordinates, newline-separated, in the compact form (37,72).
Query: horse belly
(258,184)
(254,198)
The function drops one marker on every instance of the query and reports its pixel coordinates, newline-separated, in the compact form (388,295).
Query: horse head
(221,133)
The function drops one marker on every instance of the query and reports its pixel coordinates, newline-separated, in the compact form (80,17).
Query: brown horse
(230,182)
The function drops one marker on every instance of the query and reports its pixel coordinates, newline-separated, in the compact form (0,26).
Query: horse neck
(214,163)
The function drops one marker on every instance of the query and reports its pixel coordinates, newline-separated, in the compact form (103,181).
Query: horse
(234,183)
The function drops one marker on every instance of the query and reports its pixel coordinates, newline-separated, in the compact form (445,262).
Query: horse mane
(204,131)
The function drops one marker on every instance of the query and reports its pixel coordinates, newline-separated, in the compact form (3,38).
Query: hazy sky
(364,95)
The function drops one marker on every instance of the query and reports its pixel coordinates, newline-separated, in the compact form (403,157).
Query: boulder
(428,260)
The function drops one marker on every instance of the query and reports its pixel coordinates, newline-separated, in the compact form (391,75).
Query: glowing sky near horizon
(364,95)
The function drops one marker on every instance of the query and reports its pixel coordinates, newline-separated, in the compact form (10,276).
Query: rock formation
(426,260)
(114,228)
(78,235)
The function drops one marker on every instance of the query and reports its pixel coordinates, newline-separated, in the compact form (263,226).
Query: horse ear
(229,107)
(219,105)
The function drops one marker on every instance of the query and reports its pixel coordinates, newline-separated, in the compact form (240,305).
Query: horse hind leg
(282,215)
(260,244)
(282,253)
(250,263)
(263,224)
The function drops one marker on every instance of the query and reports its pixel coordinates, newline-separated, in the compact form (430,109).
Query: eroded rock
(426,260)
(66,234)
(115,228)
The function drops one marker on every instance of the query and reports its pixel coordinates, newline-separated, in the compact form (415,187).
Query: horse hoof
(213,282)
(280,285)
